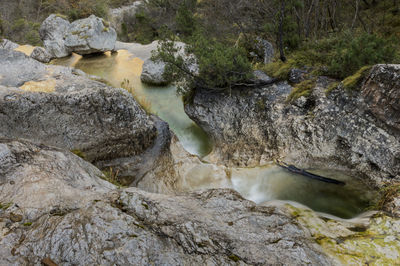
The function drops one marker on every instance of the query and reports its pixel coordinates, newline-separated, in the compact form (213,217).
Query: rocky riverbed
(60,125)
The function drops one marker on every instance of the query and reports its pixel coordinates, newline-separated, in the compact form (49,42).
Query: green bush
(351,54)
(220,66)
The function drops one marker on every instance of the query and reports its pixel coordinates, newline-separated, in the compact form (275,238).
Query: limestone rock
(153,73)
(335,131)
(38,179)
(53,105)
(90,35)
(261,78)
(382,95)
(118,15)
(52,33)
(7,44)
(40,54)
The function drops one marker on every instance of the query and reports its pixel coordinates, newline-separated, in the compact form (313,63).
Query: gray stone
(381,93)
(264,50)
(52,105)
(261,78)
(153,73)
(7,44)
(40,54)
(335,131)
(52,33)
(117,16)
(90,35)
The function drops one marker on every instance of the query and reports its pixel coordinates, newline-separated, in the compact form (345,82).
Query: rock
(90,35)
(261,78)
(297,75)
(335,131)
(37,179)
(264,50)
(75,216)
(120,15)
(52,33)
(40,54)
(382,95)
(153,73)
(52,105)
(7,44)
(16,68)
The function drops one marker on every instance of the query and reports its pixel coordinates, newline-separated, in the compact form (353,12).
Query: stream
(258,184)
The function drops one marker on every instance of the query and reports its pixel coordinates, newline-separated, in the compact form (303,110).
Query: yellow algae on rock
(26,49)
(39,86)
(373,240)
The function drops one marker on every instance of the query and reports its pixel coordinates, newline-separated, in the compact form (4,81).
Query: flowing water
(259,184)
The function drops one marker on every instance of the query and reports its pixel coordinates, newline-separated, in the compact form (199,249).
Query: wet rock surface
(334,131)
(55,208)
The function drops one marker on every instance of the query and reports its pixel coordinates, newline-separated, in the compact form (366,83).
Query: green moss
(278,69)
(76,32)
(5,206)
(105,23)
(234,257)
(106,29)
(260,104)
(79,153)
(304,88)
(61,16)
(28,224)
(331,87)
(353,82)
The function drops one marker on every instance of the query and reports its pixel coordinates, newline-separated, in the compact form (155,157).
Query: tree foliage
(219,66)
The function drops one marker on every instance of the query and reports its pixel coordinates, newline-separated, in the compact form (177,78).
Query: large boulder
(54,105)
(153,73)
(335,131)
(52,33)
(90,35)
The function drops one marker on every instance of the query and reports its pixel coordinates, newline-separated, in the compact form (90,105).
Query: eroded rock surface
(60,107)
(41,55)
(52,33)
(335,131)
(7,44)
(55,208)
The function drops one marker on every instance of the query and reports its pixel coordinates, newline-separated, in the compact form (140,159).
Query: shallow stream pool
(258,184)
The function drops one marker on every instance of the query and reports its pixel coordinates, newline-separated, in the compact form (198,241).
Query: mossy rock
(303,88)
(354,81)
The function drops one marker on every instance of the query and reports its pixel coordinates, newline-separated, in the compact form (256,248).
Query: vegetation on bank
(332,38)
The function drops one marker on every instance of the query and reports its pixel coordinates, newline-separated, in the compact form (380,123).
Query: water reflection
(163,101)
(272,182)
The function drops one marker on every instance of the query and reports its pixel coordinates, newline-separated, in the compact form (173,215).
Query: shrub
(220,66)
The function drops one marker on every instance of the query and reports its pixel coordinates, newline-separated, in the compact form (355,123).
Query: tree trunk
(280,32)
